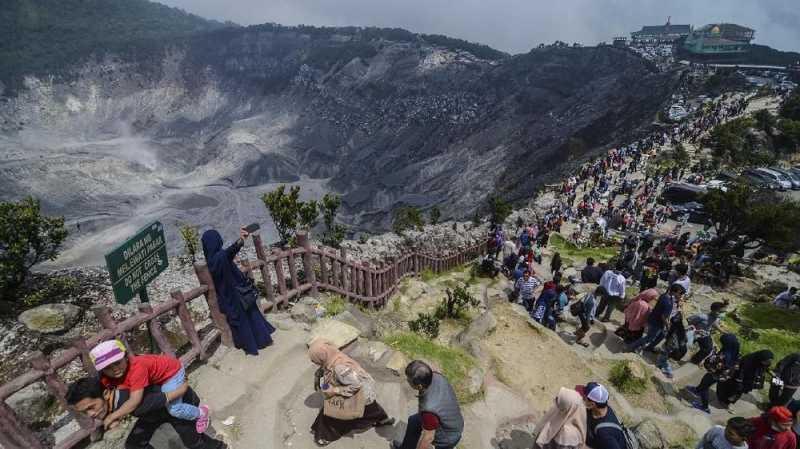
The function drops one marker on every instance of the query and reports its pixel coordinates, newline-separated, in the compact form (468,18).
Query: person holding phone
(250,329)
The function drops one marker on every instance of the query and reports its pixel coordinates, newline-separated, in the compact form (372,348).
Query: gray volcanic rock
(195,134)
(50,318)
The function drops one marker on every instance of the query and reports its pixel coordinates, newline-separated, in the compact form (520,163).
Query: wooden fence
(285,274)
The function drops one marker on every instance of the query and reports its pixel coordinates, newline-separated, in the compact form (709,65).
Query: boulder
(338,333)
(281,320)
(471,337)
(650,436)
(309,301)
(303,313)
(397,363)
(33,404)
(51,318)
(371,351)
(358,319)
(475,381)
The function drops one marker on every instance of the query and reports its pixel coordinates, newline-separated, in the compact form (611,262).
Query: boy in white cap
(140,371)
(603,429)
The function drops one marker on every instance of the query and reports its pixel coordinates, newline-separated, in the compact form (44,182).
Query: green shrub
(335,305)
(407,217)
(283,207)
(26,238)
(426,324)
(55,288)
(435,215)
(191,240)
(334,232)
(455,303)
(623,379)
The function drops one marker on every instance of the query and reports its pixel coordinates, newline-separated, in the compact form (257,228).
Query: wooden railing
(322,269)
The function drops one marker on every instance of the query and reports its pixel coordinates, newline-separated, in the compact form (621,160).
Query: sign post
(137,262)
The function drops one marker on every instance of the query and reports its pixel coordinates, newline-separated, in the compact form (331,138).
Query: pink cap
(106,353)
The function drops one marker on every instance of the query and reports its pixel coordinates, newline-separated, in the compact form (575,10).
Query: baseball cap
(780,414)
(106,353)
(594,392)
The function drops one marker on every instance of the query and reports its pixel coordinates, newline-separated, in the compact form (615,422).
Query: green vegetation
(499,209)
(307,214)
(764,326)
(427,275)
(457,301)
(407,217)
(43,37)
(623,378)
(56,287)
(434,215)
(26,238)
(334,232)
(426,324)
(748,219)
(334,305)
(571,254)
(191,240)
(454,363)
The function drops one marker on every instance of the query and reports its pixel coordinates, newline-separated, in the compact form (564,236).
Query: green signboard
(136,262)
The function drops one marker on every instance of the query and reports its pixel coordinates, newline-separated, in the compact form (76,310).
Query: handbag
(248,295)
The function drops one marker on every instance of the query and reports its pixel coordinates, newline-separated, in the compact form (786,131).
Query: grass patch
(335,305)
(568,250)
(764,326)
(622,377)
(427,275)
(454,363)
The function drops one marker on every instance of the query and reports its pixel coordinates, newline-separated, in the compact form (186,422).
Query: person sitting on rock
(733,436)
(87,395)
(340,375)
(786,298)
(439,423)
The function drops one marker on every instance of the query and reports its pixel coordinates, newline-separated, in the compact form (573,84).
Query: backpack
(631,442)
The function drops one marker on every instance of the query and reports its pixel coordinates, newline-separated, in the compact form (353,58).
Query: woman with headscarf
(748,377)
(786,380)
(564,425)
(339,375)
(720,366)
(250,329)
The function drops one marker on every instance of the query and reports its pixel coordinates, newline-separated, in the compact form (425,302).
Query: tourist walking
(786,380)
(703,325)
(340,376)
(659,319)
(613,281)
(720,366)
(733,436)
(773,430)
(591,273)
(636,314)
(525,287)
(749,376)
(564,425)
(603,428)
(555,263)
(250,329)
(439,422)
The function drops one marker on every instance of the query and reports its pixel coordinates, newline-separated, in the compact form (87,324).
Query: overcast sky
(515,26)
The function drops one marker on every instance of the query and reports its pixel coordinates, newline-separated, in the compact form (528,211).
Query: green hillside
(44,36)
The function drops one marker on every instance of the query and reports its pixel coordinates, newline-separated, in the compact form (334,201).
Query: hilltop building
(667,33)
(719,39)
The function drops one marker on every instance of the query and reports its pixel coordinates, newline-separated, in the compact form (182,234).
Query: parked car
(790,175)
(761,180)
(680,193)
(779,178)
(695,210)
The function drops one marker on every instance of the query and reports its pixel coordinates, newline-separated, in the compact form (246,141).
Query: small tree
(26,238)
(765,121)
(191,240)
(284,208)
(407,217)
(435,215)
(680,155)
(334,233)
(456,301)
(748,219)
(791,107)
(499,209)
(425,324)
(307,214)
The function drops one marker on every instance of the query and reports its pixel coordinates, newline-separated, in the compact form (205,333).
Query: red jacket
(766,438)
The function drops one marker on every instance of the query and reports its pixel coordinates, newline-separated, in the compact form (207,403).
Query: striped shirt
(526,286)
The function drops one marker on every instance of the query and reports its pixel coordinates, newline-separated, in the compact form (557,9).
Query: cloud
(515,25)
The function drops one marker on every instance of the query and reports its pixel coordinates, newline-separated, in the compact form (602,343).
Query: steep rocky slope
(195,131)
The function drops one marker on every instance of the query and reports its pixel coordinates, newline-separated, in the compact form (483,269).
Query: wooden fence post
(368,279)
(265,274)
(13,433)
(188,324)
(204,276)
(293,270)
(308,266)
(281,278)
(323,269)
(58,388)
(343,271)
(154,327)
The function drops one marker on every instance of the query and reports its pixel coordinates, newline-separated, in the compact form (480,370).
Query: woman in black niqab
(250,329)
